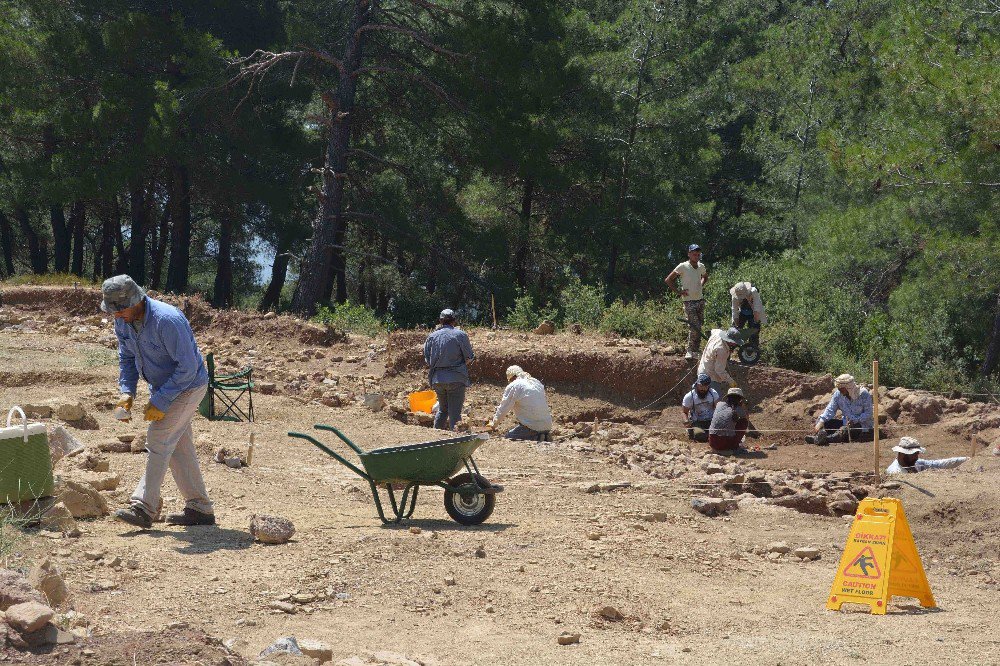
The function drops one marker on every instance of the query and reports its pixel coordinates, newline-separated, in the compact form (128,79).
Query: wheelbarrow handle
(357,470)
(341,435)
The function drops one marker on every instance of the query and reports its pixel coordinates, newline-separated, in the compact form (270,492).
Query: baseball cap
(704,379)
(694,247)
(120,293)
(447,313)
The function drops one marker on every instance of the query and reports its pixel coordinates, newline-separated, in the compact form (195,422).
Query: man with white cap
(693,276)
(856,421)
(748,309)
(699,406)
(155,342)
(447,353)
(908,459)
(525,395)
(715,358)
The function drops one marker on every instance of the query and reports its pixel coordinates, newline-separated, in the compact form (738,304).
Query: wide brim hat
(733,337)
(120,293)
(908,445)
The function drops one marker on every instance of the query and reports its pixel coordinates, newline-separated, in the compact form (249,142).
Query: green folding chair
(228,390)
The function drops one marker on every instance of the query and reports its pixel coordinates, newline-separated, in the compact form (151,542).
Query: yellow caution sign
(880,560)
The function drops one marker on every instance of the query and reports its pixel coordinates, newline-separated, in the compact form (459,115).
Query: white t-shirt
(690,279)
(701,408)
(921,465)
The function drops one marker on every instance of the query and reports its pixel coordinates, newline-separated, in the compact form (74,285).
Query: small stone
(450,580)
(267,388)
(82,500)
(47,579)
(594,536)
(374,401)
(568,638)
(415,530)
(271,529)
(712,506)
(177,625)
(807,553)
(115,562)
(94,555)
(283,606)
(778,547)
(49,634)
(115,447)
(29,616)
(57,518)
(235,462)
(611,614)
(317,650)
(71,412)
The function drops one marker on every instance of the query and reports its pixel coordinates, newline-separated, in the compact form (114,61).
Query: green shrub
(523,316)
(581,303)
(49,280)
(352,318)
(793,347)
(625,319)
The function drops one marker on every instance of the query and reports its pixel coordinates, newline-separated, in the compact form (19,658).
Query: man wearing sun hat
(447,353)
(693,276)
(856,420)
(908,459)
(155,342)
(525,395)
(715,359)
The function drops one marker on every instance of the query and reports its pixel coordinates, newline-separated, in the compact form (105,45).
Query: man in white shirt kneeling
(525,395)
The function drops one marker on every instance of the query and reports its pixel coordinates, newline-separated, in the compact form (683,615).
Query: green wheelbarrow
(468,497)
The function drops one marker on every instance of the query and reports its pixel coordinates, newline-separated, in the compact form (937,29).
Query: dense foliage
(551,158)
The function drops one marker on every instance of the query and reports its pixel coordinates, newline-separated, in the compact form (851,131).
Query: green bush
(524,316)
(793,347)
(352,318)
(49,280)
(625,319)
(651,320)
(581,304)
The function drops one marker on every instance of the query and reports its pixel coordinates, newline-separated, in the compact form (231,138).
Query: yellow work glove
(125,402)
(152,413)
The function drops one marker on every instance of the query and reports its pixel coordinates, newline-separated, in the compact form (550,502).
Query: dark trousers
(729,442)
(451,397)
(837,432)
(699,430)
(524,432)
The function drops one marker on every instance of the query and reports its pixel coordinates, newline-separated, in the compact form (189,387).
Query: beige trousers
(170,443)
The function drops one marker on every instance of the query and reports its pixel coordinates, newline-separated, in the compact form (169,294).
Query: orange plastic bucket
(422,401)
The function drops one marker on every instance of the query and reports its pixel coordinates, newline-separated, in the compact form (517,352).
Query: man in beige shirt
(693,276)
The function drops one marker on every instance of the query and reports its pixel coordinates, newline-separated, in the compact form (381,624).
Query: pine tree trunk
(223,293)
(160,249)
(78,223)
(106,251)
(7,241)
(993,348)
(61,239)
(330,227)
(36,250)
(180,224)
(279,271)
(521,258)
(140,229)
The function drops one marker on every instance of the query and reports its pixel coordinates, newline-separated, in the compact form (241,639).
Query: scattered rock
(604,487)
(288,645)
(70,412)
(807,553)
(374,401)
(610,613)
(317,650)
(29,616)
(115,447)
(547,327)
(96,480)
(712,506)
(15,589)
(271,529)
(267,388)
(842,503)
(57,518)
(61,443)
(47,579)
(284,607)
(49,634)
(568,638)
(37,411)
(778,547)
(803,501)
(82,500)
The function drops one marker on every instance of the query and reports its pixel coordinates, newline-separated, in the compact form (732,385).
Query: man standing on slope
(447,353)
(155,342)
(693,275)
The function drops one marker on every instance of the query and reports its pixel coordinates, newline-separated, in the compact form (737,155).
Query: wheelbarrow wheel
(470,508)
(749,354)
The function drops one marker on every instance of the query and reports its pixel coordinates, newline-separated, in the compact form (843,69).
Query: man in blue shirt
(447,353)
(856,421)
(155,342)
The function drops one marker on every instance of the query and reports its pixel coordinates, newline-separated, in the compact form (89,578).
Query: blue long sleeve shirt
(856,412)
(164,353)
(446,352)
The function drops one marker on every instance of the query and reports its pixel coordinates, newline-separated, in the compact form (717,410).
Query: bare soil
(691,589)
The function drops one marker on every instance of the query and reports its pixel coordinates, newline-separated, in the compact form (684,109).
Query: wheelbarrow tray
(427,462)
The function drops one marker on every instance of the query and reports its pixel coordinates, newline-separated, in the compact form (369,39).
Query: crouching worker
(908,459)
(855,423)
(155,342)
(699,406)
(730,423)
(525,395)
(715,358)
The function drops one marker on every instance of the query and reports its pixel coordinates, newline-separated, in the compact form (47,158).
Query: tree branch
(421,37)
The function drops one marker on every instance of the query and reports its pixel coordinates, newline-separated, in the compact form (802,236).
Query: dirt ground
(691,589)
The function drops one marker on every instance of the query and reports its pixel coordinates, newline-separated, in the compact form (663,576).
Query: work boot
(191,517)
(135,516)
(818,439)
